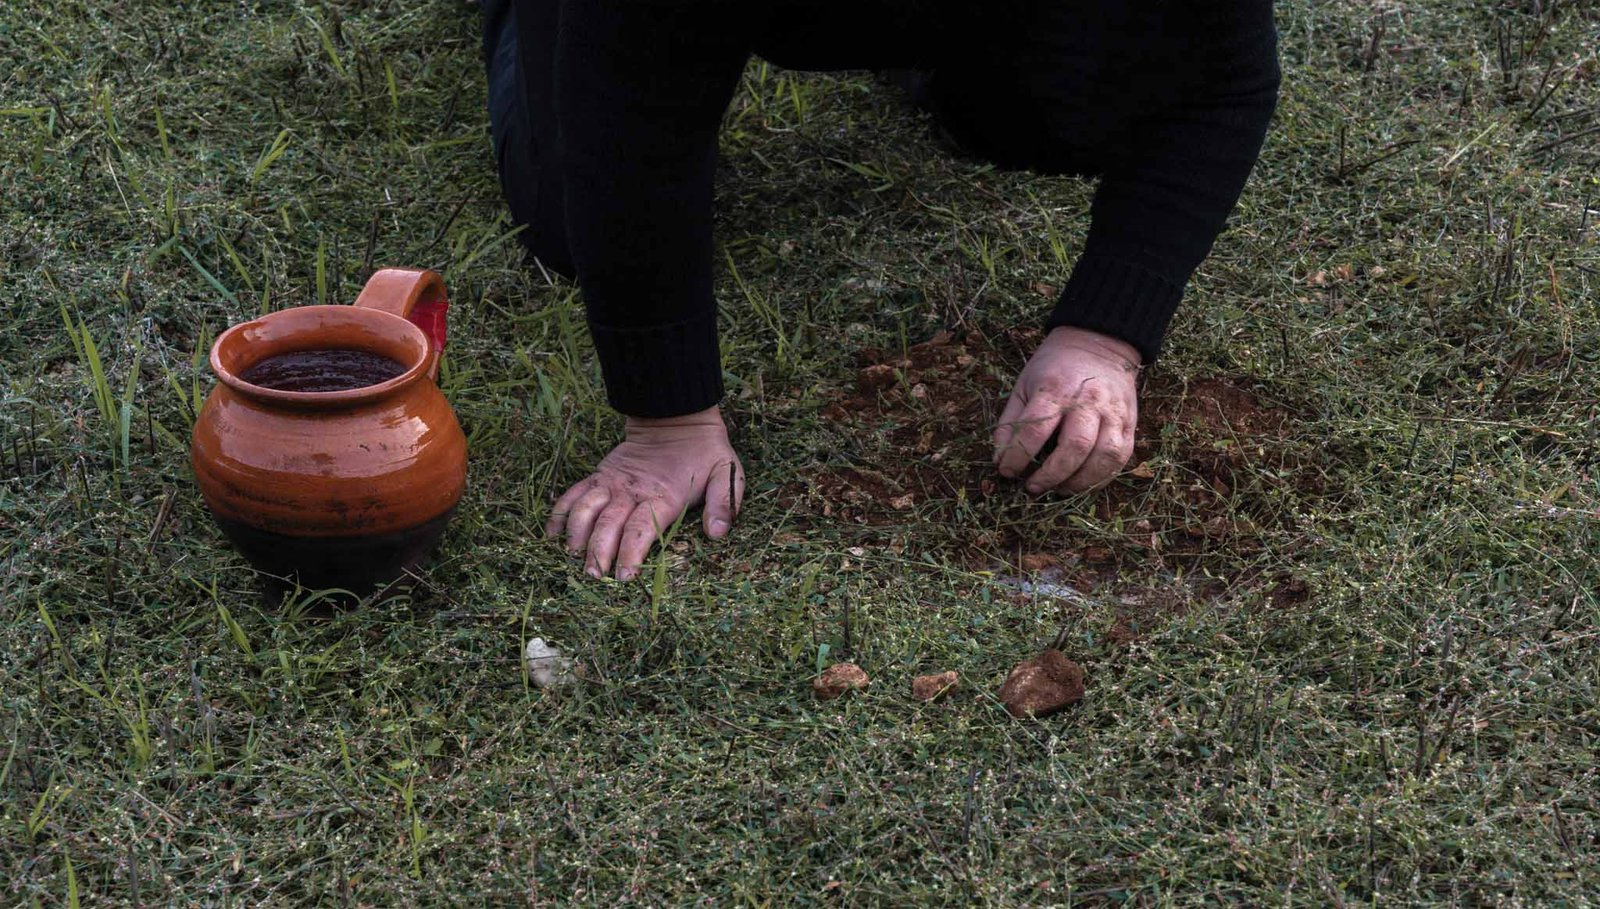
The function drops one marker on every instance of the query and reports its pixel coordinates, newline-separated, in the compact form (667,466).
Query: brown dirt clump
(933,687)
(1042,685)
(838,679)
(1288,592)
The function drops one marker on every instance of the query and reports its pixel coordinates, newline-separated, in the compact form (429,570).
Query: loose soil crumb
(1042,685)
(933,687)
(1036,562)
(1289,591)
(838,679)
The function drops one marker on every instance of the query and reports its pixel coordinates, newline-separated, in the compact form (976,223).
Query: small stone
(933,687)
(838,679)
(1042,685)
(547,666)
(901,503)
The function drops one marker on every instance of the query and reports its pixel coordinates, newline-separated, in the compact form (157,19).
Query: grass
(1411,281)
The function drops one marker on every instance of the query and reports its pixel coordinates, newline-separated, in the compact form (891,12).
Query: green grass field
(1341,626)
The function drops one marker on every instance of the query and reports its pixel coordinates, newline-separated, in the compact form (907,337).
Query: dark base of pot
(361,565)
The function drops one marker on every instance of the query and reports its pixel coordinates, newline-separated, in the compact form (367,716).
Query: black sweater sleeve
(1162,203)
(641,87)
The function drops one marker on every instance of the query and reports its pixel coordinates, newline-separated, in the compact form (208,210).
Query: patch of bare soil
(920,426)
(917,429)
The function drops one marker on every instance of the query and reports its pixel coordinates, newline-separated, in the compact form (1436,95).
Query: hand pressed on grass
(661,469)
(1079,389)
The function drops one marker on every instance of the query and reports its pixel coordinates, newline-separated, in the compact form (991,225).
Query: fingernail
(1034,490)
(593,572)
(626,574)
(718,527)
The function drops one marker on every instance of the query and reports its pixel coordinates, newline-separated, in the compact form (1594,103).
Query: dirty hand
(662,469)
(1078,389)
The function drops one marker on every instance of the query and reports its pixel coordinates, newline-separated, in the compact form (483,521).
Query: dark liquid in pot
(322,370)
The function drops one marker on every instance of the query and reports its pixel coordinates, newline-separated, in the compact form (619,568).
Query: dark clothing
(605,115)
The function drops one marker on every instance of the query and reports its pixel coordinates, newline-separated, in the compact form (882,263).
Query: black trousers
(1001,90)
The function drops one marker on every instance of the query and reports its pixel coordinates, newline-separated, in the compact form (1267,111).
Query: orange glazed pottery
(345,488)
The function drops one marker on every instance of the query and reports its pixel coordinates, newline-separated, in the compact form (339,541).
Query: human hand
(1079,389)
(661,469)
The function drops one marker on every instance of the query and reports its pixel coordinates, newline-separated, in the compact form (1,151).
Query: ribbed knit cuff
(1117,297)
(661,370)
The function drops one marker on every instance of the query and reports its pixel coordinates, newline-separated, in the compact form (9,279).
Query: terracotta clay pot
(345,488)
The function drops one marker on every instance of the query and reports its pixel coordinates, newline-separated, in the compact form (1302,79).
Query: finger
(1077,437)
(563,506)
(606,536)
(580,520)
(1005,429)
(1111,453)
(724,498)
(648,521)
(1030,430)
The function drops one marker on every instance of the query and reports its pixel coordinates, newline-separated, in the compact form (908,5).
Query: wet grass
(1378,688)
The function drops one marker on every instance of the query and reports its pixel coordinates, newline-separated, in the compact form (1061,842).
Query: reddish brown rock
(838,679)
(932,687)
(1042,685)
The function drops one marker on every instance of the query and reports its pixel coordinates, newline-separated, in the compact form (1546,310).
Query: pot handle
(416,295)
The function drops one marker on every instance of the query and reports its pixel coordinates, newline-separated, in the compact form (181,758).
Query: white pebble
(546,665)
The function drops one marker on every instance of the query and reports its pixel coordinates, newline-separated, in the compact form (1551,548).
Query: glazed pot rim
(416,370)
